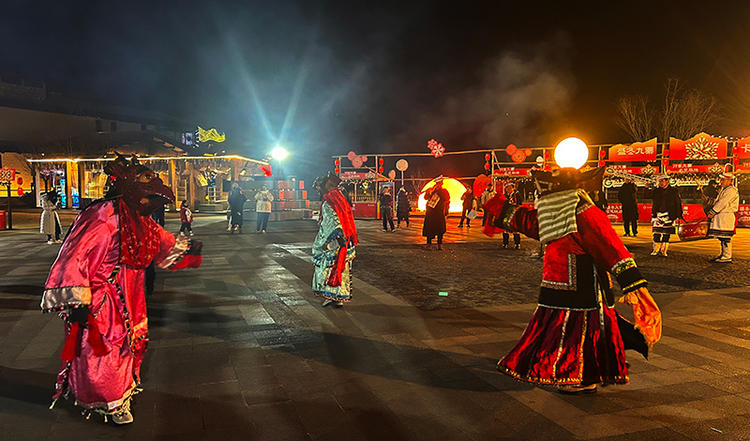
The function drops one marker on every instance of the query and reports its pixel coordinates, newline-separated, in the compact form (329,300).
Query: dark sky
(326,77)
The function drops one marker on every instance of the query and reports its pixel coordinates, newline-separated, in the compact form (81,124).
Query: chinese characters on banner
(638,151)
(700,146)
(690,168)
(743,216)
(512,171)
(743,147)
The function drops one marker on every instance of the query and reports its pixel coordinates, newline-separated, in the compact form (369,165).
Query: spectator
(628,199)
(403,207)
(386,209)
(186,217)
(488,194)
(262,209)
(666,208)
(237,205)
(511,195)
(723,218)
(50,222)
(469,203)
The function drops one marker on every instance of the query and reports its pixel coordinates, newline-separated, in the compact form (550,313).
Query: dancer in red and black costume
(575,339)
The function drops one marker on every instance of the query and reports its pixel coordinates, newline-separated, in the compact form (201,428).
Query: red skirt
(569,347)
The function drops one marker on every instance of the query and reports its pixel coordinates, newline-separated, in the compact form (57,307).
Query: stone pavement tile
(674,376)
(659,434)
(730,428)
(687,358)
(177,415)
(528,423)
(698,410)
(277,421)
(243,432)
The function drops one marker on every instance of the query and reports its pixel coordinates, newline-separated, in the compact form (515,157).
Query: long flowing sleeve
(74,272)
(177,252)
(512,217)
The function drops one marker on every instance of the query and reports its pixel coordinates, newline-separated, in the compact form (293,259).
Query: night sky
(326,77)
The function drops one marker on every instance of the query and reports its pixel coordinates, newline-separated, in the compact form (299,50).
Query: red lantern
(487,157)
(736,161)
(19,191)
(602,153)
(380,161)
(665,161)
(546,155)
(511,149)
(19,180)
(601,163)
(380,169)
(486,165)
(336,170)
(337,162)
(665,153)
(527,152)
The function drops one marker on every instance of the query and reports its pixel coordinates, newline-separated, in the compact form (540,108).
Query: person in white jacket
(49,224)
(722,216)
(263,209)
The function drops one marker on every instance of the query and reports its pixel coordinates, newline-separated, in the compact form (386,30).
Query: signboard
(743,148)
(511,171)
(743,216)
(691,168)
(700,146)
(356,175)
(622,168)
(637,151)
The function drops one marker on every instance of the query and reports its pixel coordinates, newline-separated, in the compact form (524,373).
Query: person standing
(488,193)
(386,209)
(722,216)
(158,217)
(468,203)
(575,339)
(438,202)
(237,205)
(96,286)
(186,217)
(49,224)
(333,248)
(629,200)
(708,195)
(666,208)
(262,209)
(403,207)
(511,195)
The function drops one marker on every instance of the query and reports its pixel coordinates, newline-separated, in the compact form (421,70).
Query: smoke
(517,97)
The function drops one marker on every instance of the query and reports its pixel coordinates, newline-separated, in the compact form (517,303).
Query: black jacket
(673,202)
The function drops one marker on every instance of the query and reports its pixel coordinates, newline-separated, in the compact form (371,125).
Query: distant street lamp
(279,153)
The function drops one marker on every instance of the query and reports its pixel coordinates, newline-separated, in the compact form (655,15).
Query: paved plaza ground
(240,349)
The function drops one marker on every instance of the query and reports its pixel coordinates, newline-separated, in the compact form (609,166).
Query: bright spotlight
(571,152)
(279,153)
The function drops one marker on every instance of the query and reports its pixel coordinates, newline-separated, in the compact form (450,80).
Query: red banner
(690,212)
(637,151)
(700,146)
(743,148)
(512,171)
(743,216)
(690,168)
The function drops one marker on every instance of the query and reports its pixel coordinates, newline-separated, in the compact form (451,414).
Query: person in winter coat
(438,203)
(488,194)
(186,217)
(236,204)
(262,209)
(629,201)
(666,208)
(386,209)
(469,203)
(722,216)
(403,207)
(50,222)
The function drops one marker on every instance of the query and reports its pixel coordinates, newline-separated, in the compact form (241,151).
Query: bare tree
(687,112)
(635,117)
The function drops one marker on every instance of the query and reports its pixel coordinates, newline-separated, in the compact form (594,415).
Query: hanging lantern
(486,165)
(487,157)
(19,191)
(665,153)
(337,162)
(601,163)
(380,169)
(546,156)
(602,153)
(380,161)
(336,170)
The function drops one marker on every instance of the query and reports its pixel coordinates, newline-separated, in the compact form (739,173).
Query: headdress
(321,182)
(141,194)
(726,175)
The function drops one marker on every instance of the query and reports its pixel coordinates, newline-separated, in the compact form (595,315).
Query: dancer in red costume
(97,285)
(575,339)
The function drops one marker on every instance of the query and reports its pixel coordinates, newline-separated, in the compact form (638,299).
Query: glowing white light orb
(455,189)
(279,153)
(571,152)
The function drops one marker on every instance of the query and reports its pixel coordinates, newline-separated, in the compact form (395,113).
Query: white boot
(726,253)
(657,246)
(663,249)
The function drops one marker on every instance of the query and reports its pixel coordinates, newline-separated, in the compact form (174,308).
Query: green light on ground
(443,294)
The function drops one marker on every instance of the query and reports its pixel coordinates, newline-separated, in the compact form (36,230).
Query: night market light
(571,152)
(279,153)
